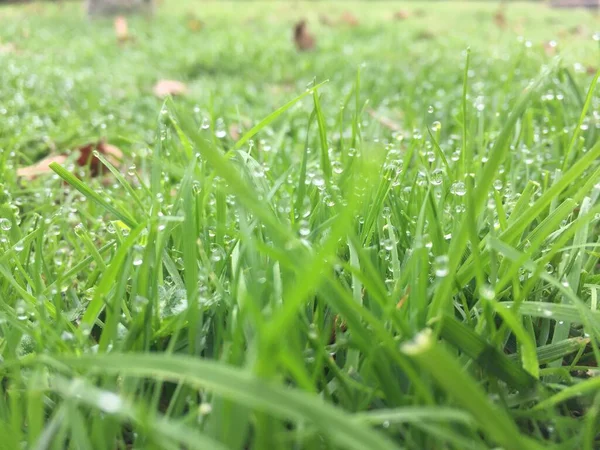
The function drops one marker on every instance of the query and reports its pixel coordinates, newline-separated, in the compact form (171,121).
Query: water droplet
(216,253)
(138,255)
(60,255)
(437,177)
(109,402)
(304,229)
(318,181)
(547,313)
(204,409)
(487,292)
(220,130)
(132,170)
(5,224)
(21,310)
(430,109)
(498,184)
(79,229)
(458,188)
(440,266)
(387,244)
(67,336)
(139,303)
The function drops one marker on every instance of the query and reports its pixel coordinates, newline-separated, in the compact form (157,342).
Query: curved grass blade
(239,386)
(274,115)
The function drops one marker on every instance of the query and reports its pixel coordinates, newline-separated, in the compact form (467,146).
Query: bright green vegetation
(405,256)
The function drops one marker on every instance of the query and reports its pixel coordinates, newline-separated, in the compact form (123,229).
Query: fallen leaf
(86,156)
(164,88)
(425,35)
(385,121)
(401,15)
(302,38)
(194,23)
(349,19)
(41,167)
(578,30)
(235,131)
(326,20)
(500,18)
(121,29)
(550,48)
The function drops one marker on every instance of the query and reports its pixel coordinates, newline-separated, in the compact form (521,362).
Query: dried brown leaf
(385,121)
(164,88)
(194,23)
(550,48)
(500,18)
(349,19)
(401,14)
(41,167)
(121,29)
(235,131)
(326,20)
(425,35)
(86,156)
(302,38)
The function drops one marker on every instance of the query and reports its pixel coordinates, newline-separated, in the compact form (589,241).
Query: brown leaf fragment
(235,131)
(500,18)
(349,19)
(550,48)
(326,20)
(42,167)
(385,121)
(86,156)
(121,29)
(302,38)
(164,88)
(194,23)
(401,14)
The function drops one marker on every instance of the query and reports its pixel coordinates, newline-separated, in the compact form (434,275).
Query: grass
(389,242)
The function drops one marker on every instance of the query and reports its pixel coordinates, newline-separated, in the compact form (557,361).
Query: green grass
(399,250)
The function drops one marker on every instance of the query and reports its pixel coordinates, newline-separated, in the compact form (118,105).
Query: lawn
(389,241)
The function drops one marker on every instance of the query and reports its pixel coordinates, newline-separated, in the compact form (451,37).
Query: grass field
(391,241)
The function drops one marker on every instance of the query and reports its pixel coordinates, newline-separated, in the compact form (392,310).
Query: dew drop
(440,266)
(109,402)
(458,188)
(5,224)
(437,177)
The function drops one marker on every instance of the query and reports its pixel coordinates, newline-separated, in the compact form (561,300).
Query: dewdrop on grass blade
(5,224)
(420,343)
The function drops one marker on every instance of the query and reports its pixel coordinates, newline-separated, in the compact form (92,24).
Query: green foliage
(397,249)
